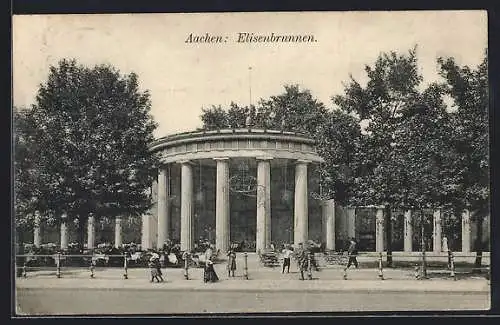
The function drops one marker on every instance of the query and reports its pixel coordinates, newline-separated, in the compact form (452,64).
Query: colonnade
(222,205)
(263,235)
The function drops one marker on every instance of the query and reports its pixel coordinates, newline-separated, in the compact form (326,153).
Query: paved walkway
(330,278)
(261,279)
(437,286)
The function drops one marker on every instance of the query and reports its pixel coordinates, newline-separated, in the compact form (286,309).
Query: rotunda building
(237,185)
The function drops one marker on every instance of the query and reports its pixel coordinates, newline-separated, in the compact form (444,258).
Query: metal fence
(62,264)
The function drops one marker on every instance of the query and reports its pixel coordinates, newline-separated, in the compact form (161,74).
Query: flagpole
(250,84)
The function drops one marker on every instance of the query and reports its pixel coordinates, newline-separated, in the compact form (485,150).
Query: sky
(184,77)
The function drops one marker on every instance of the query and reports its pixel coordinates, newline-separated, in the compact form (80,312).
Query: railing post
(380,270)
(58,265)
(344,274)
(309,272)
(125,272)
(25,273)
(92,267)
(245,268)
(423,269)
(417,272)
(452,267)
(186,265)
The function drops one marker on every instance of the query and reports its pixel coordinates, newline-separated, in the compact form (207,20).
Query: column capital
(221,158)
(163,166)
(303,161)
(186,162)
(264,158)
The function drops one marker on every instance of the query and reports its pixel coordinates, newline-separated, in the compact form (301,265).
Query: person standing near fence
(444,248)
(352,252)
(231,262)
(287,254)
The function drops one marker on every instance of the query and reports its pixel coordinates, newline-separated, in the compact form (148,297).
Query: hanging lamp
(286,195)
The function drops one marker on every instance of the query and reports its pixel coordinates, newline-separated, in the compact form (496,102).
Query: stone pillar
(328,212)
(186,206)
(408,232)
(153,216)
(379,230)
(301,218)
(146,232)
(222,225)
(37,235)
(263,236)
(351,222)
(466,233)
(64,233)
(163,201)
(436,233)
(118,232)
(90,232)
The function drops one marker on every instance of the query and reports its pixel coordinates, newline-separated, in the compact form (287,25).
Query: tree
(469,90)
(214,118)
(25,178)
(392,86)
(296,110)
(90,144)
(337,142)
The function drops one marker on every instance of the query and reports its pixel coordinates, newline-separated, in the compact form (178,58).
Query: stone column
(329,223)
(64,233)
(379,230)
(118,232)
(163,199)
(153,216)
(90,232)
(222,226)
(351,222)
(436,233)
(186,206)
(466,233)
(37,235)
(263,235)
(146,232)
(301,217)
(408,232)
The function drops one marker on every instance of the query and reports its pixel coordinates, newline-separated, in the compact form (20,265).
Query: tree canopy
(83,148)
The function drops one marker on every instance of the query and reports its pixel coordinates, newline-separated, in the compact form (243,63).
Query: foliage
(83,148)
(469,90)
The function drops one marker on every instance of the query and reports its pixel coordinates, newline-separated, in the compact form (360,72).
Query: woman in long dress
(231,263)
(209,274)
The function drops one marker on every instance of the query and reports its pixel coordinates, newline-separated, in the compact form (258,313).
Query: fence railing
(332,260)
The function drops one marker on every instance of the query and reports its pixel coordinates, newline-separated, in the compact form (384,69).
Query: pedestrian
(446,249)
(287,253)
(301,257)
(231,263)
(155,268)
(209,274)
(352,252)
(209,253)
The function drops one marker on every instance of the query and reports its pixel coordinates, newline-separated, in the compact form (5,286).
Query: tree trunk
(388,235)
(479,245)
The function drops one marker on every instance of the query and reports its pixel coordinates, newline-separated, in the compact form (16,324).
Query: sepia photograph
(250,163)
